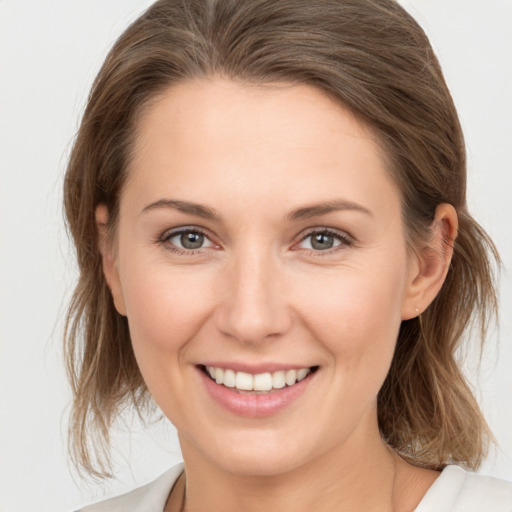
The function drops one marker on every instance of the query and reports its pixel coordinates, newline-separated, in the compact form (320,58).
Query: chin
(258,456)
(254,464)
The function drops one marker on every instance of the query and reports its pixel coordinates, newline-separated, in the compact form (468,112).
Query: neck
(360,475)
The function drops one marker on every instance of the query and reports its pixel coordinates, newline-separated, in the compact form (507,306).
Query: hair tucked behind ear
(373,58)
(427,411)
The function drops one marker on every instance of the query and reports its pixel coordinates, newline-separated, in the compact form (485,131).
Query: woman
(268,204)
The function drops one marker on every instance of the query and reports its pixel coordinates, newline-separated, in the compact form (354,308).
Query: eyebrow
(307,212)
(186,207)
(335,205)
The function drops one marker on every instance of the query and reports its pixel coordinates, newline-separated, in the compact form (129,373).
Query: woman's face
(260,239)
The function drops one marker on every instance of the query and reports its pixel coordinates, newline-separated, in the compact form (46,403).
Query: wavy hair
(373,58)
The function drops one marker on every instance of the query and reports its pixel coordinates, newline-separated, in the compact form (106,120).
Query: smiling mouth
(268,382)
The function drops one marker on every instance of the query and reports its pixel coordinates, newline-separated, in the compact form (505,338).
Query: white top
(455,490)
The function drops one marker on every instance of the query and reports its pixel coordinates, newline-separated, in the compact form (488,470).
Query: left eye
(323,240)
(189,240)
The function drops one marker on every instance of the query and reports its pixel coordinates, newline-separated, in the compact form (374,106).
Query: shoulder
(457,490)
(148,498)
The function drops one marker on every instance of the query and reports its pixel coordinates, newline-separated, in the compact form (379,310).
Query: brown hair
(375,60)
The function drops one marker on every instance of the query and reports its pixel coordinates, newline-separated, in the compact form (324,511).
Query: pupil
(322,241)
(192,240)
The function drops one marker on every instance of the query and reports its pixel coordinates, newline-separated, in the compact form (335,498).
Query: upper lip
(255,369)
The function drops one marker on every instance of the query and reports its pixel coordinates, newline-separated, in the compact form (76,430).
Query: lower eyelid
(169,235)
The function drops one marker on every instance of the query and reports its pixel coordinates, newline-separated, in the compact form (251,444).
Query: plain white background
(50,51)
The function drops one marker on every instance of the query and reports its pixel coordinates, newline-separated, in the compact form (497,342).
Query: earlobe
(108,259)
(431,263)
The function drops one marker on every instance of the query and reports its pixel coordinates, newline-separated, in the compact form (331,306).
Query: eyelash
(171,234)
(345,240)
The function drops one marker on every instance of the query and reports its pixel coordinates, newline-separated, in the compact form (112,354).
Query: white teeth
(278,380)
(244,381)
(229,378)
(301,374)
(260,382)
(291,377)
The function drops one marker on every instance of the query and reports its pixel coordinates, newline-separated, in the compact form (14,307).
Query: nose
(253,305)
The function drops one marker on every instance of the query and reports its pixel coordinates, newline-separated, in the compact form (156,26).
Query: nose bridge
(255,306)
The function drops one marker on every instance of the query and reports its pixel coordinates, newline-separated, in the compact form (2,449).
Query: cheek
(356,314)
(356,319)
(354,304)
(165,309)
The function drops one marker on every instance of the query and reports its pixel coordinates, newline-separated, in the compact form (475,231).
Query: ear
(109,260)
(430,264)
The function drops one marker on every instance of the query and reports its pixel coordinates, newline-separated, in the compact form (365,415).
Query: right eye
(186,241)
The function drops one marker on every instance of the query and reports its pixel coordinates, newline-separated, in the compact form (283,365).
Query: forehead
(248,142)
(234,112)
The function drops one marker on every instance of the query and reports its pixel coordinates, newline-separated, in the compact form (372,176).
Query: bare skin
(410,485)
(399,487)
(277,171)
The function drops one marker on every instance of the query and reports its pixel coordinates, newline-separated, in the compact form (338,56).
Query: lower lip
(255,405)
